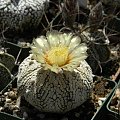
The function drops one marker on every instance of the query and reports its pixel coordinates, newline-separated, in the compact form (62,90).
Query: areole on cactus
(55,77)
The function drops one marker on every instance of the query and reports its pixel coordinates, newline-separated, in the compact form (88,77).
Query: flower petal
(79,51)
(65,39)
(75,41)
(53,38)
(38,55)
(72,64)
(50,51)
(40,58)
(53,68)
(41,43)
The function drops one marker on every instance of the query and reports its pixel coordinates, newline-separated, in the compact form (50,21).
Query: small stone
(100,102)
(1,108)
(117,93)
(6,93)
(102,99)
(12,95)
(8,100)
(8,90)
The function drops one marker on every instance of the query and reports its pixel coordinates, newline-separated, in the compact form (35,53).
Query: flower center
(57,56)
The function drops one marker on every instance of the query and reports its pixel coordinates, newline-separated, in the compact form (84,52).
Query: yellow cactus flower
(56,77)
(59,51)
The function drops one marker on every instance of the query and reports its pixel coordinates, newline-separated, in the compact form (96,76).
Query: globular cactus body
(55,77)
(18,15)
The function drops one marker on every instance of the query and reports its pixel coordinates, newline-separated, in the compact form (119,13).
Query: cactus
(18,15)
(56,77)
